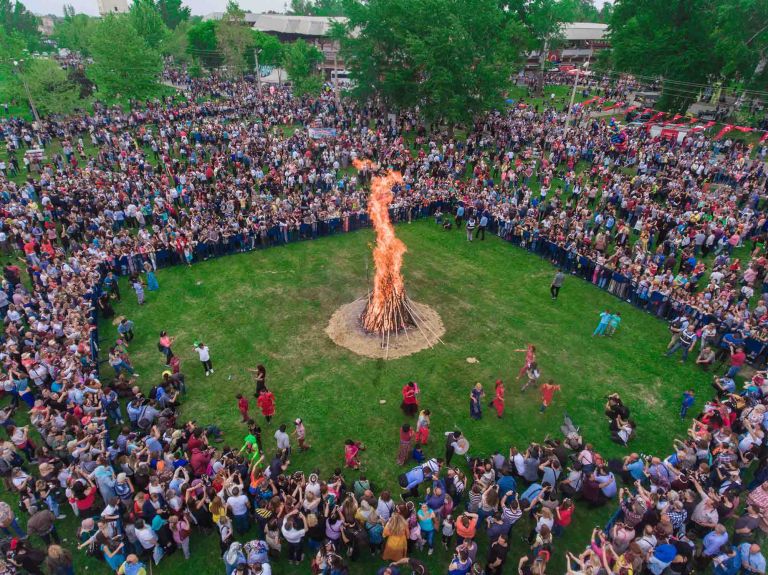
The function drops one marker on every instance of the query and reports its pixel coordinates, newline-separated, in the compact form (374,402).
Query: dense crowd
(174,182)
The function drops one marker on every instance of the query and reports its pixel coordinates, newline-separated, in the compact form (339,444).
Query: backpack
(143,422)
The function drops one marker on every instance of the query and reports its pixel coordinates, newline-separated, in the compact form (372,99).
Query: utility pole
(573,92)
(29,94)
(258,69)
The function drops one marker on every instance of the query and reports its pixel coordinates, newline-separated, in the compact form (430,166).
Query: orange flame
(381,315)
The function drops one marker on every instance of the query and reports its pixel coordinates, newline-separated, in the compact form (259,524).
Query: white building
(112,6)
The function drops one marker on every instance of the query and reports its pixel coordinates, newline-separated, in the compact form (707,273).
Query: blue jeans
(733,371)
(16,527)
(678,345)
(429,537)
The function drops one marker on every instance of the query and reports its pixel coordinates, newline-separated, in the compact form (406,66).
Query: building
(581,41)
(288,28)
(47,24)
(112,6)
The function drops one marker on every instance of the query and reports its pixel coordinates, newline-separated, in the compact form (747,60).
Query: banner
(727,128)
(320,133)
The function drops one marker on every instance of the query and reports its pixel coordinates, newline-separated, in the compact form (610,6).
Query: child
(242,406)
(605,317)
(613,323)
(351,449)
(418,454)
(688,399)
(205,357)
(449,528)
(533,375)
(422,427)
(139,289)
(547,392)
(301,434)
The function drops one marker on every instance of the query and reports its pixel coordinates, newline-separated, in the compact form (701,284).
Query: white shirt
(283,441)
(238,504)
(203,353)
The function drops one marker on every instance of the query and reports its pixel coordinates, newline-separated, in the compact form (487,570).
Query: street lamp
(256,53)
(26,89)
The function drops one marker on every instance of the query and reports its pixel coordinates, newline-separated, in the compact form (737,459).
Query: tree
(123,62)
(235,40)
(18,21)
(740,36)
(669,39)
(543,20)
(300,60)
(48,85)
(451,58)
(176,44)
(146,19)
(317,7)
(173,13)
(203,44)
(270,48)
(74,31)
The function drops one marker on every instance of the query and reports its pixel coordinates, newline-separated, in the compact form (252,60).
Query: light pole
(26,90)
(573,92)
(256,53)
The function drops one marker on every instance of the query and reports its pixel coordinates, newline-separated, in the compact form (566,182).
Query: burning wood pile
(388,310)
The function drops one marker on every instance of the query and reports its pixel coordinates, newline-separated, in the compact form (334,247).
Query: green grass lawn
(272,307)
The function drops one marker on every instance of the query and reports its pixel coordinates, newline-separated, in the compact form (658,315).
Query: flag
(676,117)
(743,129)
(764,138)
(632,109)
(727,128)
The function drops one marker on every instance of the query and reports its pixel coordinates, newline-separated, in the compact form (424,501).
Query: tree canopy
(300,61)
(74,31)
(49,86)
(17,21)
(123,62)
(147,21)
(451,58)
(203,44)
(173,12)
(690,43)
(235,40)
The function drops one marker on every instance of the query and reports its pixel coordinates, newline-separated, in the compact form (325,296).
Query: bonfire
(388,309)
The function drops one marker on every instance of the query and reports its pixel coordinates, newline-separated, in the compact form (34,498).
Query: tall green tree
(146,19)
(176,44)
(173,12)
(543,21)
(270,48)
(74,31)
(666,38)
(18,21)
(203,44)
(123,63)
(451,58)
(48,85)
(235,40)
(300,60)
(740,36)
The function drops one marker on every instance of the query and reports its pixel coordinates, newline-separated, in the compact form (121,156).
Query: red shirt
(242,404)
(738,359)
(266,403)
(409,394)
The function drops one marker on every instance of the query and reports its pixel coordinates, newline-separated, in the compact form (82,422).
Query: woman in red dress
(410,404)
(266,403)
(498,400)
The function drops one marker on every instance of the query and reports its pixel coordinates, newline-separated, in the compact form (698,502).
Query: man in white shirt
(205,357)
(283,441)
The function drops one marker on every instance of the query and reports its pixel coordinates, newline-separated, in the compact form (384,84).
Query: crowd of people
(176,182)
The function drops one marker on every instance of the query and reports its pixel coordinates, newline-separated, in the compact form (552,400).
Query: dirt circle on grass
(345,330)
